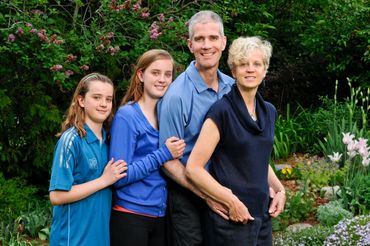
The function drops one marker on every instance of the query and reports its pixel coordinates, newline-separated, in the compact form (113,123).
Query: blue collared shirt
(76,161)
(182,110)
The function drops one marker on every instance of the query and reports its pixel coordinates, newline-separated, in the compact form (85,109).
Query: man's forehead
(206,32)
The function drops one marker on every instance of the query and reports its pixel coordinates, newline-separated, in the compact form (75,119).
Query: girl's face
(156,78)
(250,73)
(97,102)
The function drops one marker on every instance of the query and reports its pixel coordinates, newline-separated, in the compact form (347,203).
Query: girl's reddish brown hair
(75,113)
(136,88)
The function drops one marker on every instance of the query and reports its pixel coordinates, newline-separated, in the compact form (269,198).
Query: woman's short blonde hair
(241,47)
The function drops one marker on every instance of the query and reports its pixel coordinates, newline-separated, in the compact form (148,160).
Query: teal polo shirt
(79,160)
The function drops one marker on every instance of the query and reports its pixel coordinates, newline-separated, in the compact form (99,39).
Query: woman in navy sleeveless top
(238,136)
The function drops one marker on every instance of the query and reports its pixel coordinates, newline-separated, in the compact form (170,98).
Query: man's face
(207,45)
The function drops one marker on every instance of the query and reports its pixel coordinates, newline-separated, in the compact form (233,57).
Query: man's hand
(218,208)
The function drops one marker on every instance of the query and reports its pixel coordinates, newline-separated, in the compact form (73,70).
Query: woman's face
(251,71)
(156,78)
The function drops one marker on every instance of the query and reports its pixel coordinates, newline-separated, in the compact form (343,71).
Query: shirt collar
(200,85)
(90,135)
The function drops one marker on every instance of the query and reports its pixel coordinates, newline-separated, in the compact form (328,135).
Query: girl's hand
(176,146)
(114,171)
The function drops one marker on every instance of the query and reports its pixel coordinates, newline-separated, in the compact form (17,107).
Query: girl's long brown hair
(75,113)
(136,88)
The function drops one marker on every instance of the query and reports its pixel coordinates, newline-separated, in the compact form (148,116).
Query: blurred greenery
(318,80)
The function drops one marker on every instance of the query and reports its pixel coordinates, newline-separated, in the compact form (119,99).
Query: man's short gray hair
(203,17)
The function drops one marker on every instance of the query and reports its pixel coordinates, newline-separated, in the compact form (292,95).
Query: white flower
(351,154)
(352,146)
(335,157)
(347,137)
(365,162)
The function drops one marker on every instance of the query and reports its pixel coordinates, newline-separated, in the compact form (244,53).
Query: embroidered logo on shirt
(93,163)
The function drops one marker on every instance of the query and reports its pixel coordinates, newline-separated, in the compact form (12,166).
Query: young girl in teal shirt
(80,176)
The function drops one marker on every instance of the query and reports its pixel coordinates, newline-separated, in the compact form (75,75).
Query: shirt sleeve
(65,156)
(124,137)
(215,113)
(170,117)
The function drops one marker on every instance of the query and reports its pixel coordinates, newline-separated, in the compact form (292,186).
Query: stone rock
(329,191)
(279,167)
(298,227)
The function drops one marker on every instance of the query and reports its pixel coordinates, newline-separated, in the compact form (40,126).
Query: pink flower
(19,31)
(42,37)
(136,7)
(68,73)
(29,24)
(153,31)
(112,51)
(170,20)
(54,39)
(110,35)
(85,67)
(144,15)
(71,58)
(161,18)
(33,30)
(100,47)
(56,67)
(11,38)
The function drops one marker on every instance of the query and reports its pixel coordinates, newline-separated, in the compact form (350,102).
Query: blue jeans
(225,232)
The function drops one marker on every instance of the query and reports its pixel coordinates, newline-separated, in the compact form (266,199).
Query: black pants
(185,217)
(221,232)
(136,230)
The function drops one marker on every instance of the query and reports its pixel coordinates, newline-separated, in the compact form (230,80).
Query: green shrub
(317,172)
(333,212)
(355,194)
(299,205)
(36,221)
(15,197)
(313,236)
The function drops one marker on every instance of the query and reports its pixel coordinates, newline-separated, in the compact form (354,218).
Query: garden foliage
(47,46)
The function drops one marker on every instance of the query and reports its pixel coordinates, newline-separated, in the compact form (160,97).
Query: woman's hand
(238,212)
(277,204)
(114,171)
(176,146)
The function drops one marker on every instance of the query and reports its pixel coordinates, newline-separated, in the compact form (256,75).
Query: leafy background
(47,46)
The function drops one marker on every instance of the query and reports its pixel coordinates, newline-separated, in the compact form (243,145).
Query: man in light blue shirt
(181,113)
